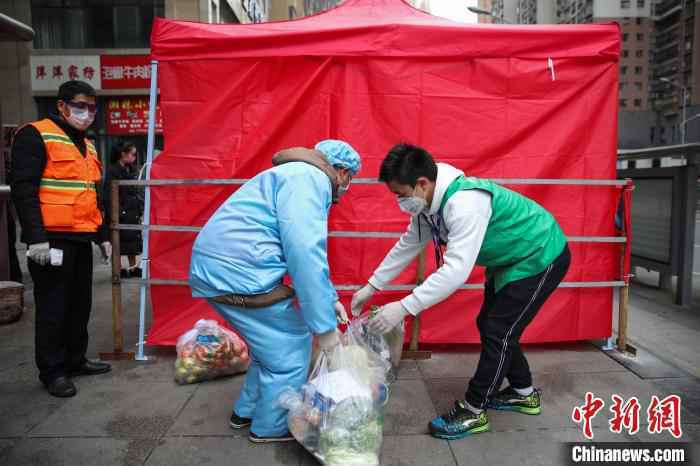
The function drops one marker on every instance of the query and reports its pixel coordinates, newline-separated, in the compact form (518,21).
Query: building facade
(659,59)
(674,64)
(106,43)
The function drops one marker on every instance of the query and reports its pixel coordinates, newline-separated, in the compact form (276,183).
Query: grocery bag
(209,351)
(338,415)
(389,345)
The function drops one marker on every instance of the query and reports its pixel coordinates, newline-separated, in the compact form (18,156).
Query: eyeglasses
(92,108)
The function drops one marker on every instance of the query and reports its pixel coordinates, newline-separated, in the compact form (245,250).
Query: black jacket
(28,163)
(130,197)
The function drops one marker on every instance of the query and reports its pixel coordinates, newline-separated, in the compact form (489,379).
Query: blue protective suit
(276,223)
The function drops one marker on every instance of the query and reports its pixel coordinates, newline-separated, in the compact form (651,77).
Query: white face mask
(413,205)
(80,118)
(342,190)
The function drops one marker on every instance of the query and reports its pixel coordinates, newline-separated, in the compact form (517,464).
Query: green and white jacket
(481,223)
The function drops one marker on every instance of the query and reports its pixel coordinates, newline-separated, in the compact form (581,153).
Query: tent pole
(145,261)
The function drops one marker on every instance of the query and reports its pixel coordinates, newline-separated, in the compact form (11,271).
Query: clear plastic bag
(389,346)
(209,351)
(338,415)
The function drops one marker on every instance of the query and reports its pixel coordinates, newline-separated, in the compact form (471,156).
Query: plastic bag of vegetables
(388,346)
(338,415)
(209,351)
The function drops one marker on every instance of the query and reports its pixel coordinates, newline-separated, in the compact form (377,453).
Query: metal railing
(413,352)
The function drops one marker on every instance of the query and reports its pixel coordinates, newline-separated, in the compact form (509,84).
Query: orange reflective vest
(67,192)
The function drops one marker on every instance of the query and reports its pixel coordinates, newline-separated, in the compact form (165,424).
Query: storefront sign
(129,115)
(49,72)
(101,72)
(125,71)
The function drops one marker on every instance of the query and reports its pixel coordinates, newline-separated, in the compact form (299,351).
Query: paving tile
(161,369)
(117,410)
(570,358)
(449,365)
(409,370)
(79,452)
(186,451)
(560,394)
(24,405)
(687,387)
(18,376)
(13,356)
(209,410)
(5,447)
(416,450)
(537,447)
(409,409)
(690,434)
(444,392)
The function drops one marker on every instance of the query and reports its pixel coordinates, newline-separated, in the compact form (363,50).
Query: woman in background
(123,167)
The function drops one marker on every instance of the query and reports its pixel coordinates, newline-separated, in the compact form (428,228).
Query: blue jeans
(280,350)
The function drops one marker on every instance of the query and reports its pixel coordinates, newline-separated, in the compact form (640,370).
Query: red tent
(496,101)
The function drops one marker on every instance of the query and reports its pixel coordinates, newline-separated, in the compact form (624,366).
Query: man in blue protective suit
(276,224)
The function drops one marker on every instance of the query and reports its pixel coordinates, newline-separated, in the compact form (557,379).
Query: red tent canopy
(496,101)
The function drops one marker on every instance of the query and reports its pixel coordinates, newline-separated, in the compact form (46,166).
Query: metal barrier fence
(413,351)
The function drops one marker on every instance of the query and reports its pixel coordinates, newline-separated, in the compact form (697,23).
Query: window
(638,86)
(638,70)
(78,24)
(640,36)
(640,4)
(625,3)
(638,21)
(623,103)
(625,53)
(623,70)
(639,53)
(625,36)
(637,103)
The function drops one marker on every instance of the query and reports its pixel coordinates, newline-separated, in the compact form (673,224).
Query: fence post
(117,334)
(623,311)
(413,352)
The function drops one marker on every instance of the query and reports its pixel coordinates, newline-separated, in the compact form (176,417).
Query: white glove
(340,313)
(106,250)
(387,317)
(360,298)
(329,340)
(39,253)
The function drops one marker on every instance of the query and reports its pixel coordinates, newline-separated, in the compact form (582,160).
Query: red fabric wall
(374,73)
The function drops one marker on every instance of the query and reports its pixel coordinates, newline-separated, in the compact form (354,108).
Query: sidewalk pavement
(137,415)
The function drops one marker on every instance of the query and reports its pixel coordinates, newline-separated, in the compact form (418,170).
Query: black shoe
(124,273)
(272,439)
(91,368)
(135,272)
(238,422)
(61,387)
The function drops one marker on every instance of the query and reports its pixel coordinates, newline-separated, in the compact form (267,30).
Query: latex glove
(329,340)
(106,250)
(340,313)
(387,317)
(360,298)
(40,253)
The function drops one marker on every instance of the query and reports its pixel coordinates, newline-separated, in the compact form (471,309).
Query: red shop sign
(125,71)
(129,115)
